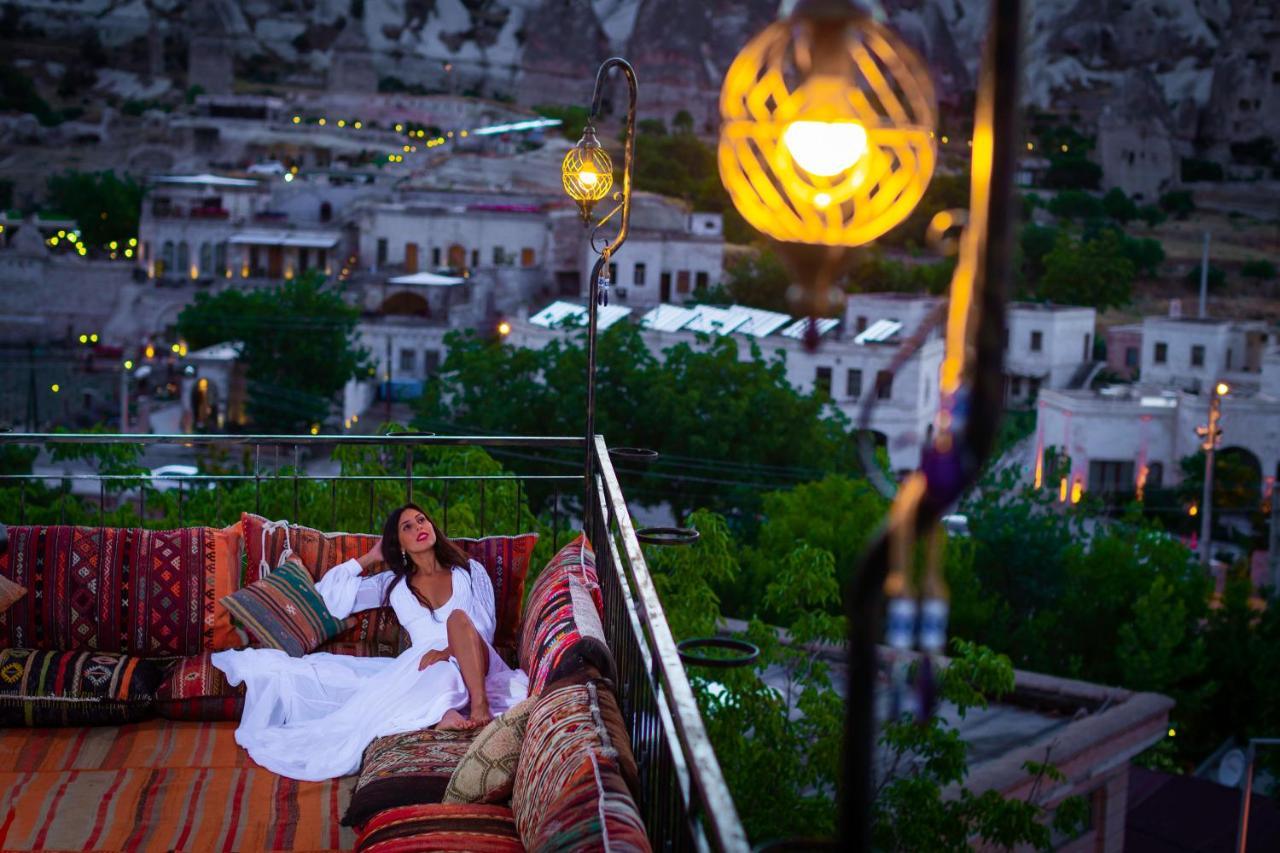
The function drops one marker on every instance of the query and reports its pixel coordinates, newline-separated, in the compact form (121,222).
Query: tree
(1259,268)
(298,347)
(1119,206)
(1035,242)
(1087,272)
(1076,204)
(760,280)
(1145,253)
(105,207)
(1179,203)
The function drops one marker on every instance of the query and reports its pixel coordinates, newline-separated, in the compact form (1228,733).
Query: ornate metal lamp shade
(827,127)
(587,172)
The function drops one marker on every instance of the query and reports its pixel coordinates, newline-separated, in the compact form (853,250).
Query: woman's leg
(473,659)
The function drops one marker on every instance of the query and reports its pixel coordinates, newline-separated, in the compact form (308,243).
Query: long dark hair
(447,554)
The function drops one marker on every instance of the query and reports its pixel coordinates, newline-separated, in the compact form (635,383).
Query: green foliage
(1087,271)
(1076,204)
(925,759)
(1119,206)
(872,272)
(1259,268)
(1034,243)
(1145,253)
(947,191)
(725,427)
(573,118)
(1217,277)
(299,347)
(1152,215)
(105,207)
(1179,204)
(759,280)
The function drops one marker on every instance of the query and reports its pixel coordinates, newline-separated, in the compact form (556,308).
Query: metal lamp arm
(628,156)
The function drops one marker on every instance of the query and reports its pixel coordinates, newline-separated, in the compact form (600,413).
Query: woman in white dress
(310,718)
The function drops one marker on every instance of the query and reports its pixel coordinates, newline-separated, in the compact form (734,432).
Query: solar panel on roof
(718,321)
(556,313)
(878,332)
(798,328)
(666,318)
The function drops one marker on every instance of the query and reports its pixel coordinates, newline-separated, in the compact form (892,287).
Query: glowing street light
(587,172)
(826,139)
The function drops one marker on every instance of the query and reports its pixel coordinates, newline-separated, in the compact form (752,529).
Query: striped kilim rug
(158,785)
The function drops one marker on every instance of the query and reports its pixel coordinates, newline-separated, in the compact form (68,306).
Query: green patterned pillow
(488,770)
(285,611)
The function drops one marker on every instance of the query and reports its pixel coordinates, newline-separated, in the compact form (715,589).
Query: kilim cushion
(150,593)
(562,612)
(472,827)
(405,769)
(377,632)
(487,772)
(195,689)
(48,688)
(285,611)
(10,592)
(594,811)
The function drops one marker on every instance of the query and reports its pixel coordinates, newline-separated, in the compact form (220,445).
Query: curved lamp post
(587,175)
(826,144)
(826,140)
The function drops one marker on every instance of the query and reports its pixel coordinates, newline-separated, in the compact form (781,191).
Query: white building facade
(1045,347)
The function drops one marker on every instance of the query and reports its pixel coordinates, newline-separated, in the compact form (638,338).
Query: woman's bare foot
(452,721)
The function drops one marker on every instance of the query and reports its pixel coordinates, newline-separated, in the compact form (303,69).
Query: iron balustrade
(683,800)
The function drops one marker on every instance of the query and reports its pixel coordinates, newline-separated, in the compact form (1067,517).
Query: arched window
(166,257)
(220,259)
(326,211)
(206,259)
(184,257)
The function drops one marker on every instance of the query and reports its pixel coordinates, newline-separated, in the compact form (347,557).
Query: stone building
(351,68)
(1136,147)
(210,49)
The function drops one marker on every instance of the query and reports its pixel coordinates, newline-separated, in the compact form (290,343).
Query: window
(1161,354)
(1037,341)
(527,257)
(206,259)
(326,211)
(682,281)
(435,256)
(1130,356)
(638,277)
(382,250)
(859,325)
(184,258)
(1088,351)
(853,384)
(884,385)
(475,257)
(498,256)
(1197,355)
(1033,386)
(430,361)
(1230,358)
(822,381)
(408,360)
(1015,386)
(1155,475)
(701,280)
(1109,477)
(613,272)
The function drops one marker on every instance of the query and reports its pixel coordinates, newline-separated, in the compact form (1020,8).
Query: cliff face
(1076,50)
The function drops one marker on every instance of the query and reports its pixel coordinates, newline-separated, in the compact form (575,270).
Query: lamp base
(815,271)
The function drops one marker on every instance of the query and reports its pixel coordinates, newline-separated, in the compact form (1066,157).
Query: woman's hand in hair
(433,656)
(372,556)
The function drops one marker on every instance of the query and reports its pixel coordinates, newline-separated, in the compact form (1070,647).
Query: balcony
(683,798)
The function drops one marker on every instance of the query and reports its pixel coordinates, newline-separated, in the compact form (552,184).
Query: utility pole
(1204,277)
(387,379)
(1211,433)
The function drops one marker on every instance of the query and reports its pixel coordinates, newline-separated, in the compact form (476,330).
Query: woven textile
(195,689)
(488,770)
(377,632)
(562,611)
(405,769)
(285,611)
(45,688)
(566,725)
(149,593)
(594,812)
(10,592)
(471,827)
(157,786)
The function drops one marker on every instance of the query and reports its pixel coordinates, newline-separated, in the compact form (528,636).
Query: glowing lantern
(587,172)
(826,139)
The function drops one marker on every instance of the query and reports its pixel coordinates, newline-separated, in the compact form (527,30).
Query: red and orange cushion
(195,689)
(150,593)
(472,827)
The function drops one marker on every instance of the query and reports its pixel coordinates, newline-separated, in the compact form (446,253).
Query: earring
(404,557)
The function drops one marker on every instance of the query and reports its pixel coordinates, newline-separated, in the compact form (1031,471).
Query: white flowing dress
(310,718)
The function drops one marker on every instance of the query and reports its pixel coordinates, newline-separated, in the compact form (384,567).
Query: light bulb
(825,148)
(588,176)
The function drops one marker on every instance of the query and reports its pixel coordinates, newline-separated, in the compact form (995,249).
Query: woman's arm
(346,592)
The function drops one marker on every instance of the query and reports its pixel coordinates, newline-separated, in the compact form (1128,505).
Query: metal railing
(684,800)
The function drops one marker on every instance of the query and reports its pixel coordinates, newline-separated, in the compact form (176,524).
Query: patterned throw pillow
(377,632)
(149,593)
(50,688)
(488,770)
(405,769)
(572,790)
(475,828)
(195,689)
(10,592)
(285,611)
(563,615)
